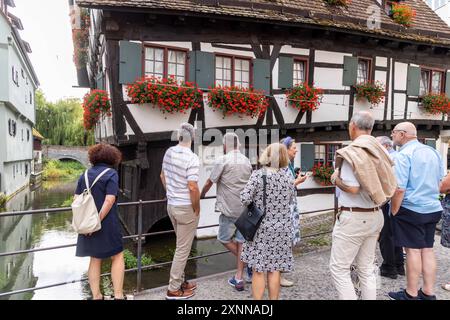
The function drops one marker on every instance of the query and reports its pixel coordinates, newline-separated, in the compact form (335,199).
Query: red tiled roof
(427,26)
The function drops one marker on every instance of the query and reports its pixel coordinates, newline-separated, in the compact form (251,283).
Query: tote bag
(85,217)
(250,219)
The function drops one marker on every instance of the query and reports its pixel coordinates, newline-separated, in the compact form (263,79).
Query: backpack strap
(96,179)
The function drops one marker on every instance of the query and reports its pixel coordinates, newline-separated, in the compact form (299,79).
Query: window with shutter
(447,84)
(350,71)
(431,81)
(307,156)
(165,62)
(364,68)
(413,81)
(285,72)
(130,67)
(300,74)
(232,71)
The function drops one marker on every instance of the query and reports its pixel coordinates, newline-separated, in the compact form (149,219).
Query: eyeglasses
(394,131)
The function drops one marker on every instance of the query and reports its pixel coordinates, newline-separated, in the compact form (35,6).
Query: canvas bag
(85,217)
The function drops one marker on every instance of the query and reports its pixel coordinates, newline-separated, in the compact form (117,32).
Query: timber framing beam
(132,26)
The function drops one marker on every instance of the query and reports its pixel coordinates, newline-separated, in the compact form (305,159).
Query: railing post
(139,248)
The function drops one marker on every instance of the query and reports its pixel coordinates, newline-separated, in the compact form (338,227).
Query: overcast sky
(47,28)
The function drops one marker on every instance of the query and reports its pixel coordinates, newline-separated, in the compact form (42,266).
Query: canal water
(48,267)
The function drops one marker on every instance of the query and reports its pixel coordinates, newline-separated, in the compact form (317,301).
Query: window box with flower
(372,91)
(435,103)
(96,104)
(322,174)
(165,102)
(304,97)
(234,106)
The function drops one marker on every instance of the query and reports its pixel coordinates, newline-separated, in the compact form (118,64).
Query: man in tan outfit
(366,179)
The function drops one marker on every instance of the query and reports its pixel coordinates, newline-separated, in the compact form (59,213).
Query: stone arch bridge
(79,154)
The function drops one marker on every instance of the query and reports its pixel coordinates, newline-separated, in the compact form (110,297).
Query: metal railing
(138,237)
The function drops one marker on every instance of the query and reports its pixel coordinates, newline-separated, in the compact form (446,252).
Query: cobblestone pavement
(312,281)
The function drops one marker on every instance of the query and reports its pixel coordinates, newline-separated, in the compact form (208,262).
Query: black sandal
(124,298)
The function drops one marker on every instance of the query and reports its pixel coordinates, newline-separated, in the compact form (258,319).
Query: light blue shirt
(419,170)
(393,154)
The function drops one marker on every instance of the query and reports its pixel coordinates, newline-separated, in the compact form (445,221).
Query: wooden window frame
(305,60)
(327,151)
(233,57)
(370,77)
(166,59)
(430,80)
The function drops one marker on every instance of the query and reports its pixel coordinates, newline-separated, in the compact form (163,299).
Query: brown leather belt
(360,209)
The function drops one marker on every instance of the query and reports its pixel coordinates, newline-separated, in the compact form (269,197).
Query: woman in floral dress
(271,249)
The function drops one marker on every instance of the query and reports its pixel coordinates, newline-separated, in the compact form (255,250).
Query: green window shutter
(431,143)
(261,75)
(285,72)
(307,156)
(130,66)
(202,68)
(191,66)
(350,71)
(447,84)
(413,82)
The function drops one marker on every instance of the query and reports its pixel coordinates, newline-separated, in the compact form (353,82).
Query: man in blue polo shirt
(416,209)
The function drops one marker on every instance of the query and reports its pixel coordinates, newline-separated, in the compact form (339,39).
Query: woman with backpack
(103,182)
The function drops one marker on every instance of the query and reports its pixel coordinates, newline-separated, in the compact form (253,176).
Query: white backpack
(85,218)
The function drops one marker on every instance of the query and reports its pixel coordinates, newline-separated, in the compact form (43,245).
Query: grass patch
(131,260)
(55,169)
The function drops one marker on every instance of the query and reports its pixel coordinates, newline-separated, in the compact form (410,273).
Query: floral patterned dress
(271,248)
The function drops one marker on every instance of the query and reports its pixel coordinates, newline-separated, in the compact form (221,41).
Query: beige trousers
(184,223)
(355,236)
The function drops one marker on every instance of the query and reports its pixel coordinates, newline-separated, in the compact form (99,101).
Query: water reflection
(55,266)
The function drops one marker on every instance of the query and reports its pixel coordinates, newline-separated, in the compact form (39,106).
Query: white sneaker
(285,282)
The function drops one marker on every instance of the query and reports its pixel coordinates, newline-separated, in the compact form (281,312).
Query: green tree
(61,123)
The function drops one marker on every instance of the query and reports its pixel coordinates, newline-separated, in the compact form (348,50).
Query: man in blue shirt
(416,209)
(393,264)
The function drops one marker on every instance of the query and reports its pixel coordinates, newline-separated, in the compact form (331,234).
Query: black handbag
(250,219)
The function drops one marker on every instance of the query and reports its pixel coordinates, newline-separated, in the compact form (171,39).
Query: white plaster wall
(207,47)
(11,182)
(333,108)
(291,50)
(330,57)
(381,61)
(328,78)
(389,104)
(399,105)
(16,147)
(186,45)
(415,111)
(380,76)
(401,74)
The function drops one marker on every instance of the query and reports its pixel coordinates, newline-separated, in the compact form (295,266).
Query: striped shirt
(180,165)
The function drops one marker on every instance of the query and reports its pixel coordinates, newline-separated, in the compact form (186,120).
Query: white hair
(186,132)
(363,121)
(231,141)
(385,141)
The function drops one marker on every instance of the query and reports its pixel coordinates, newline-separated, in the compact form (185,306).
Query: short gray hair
(385,141)
(186,132)
(363,120)
(231,140)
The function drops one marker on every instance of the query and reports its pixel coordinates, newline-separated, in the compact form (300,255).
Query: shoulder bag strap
(96,179)
(86,180)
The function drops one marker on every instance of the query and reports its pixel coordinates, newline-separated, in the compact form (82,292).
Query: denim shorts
(228,231)
(414,230)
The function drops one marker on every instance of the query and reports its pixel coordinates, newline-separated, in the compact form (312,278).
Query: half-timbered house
(271,45)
